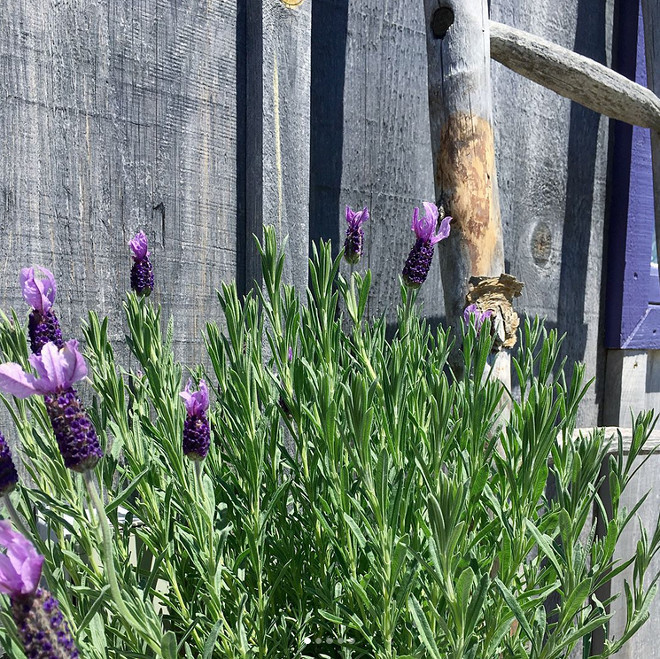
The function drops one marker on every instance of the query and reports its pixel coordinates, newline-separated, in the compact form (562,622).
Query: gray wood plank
(644,642)
(552,176)
(386,155)
(278,127)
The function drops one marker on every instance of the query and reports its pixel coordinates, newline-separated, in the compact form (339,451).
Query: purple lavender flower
(418,262)
(43,325)
(8,473)
(142,272)
(473,314)
(354,234)
(41,626)
(57,371)
(196,429)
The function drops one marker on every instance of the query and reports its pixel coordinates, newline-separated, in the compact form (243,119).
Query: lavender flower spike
(354,243)
(196,429)
(43,325)
(8,473)
(418,262)
(40,623)
(473,314)
(142,272)
(58,370)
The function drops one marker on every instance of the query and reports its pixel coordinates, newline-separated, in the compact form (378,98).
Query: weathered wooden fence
(200,121)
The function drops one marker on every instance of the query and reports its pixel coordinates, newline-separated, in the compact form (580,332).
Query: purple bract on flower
(473,314)
(57,371)
(418,262)
(196,428)
(20,567)
(41,626)
(8,473)
(354,243)
(142,272)
(39,293)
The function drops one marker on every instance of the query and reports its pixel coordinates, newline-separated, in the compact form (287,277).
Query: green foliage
(358,500)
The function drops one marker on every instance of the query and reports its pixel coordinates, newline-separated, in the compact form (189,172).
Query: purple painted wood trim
(633,291)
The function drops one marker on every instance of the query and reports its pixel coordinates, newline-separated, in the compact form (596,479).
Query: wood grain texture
(117,117)
(644,643)
(460,108)
(552,159)
(574,76)
(632,385)
(370,141)
(278,127)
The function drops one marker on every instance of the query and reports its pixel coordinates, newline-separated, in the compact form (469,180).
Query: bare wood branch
(574,76)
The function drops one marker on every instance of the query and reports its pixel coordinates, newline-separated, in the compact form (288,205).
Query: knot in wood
(441,21)
(541,244)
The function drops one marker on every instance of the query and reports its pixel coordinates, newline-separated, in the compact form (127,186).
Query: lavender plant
(347,496)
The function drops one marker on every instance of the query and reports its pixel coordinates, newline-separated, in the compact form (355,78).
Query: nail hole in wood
(441,21)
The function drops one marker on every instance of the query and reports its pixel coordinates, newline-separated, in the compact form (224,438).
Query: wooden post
(278,56)
(460,107)
(651,16)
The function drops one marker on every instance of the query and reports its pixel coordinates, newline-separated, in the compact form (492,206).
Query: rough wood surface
(574,76)
(552,159)
(117,117)
(278,130)
(370,138)
(645,642)
(612,433)
(460,109)
(632,385)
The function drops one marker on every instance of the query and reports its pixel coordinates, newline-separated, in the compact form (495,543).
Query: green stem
(108,559)
(202,495)
(15,517)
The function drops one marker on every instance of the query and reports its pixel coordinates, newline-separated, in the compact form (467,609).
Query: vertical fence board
(552,160)
(277,184)
(380,126)
(644,642)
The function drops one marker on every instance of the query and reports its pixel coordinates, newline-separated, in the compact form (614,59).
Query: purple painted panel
(633,288)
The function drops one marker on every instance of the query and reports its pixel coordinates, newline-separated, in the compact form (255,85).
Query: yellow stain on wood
(278,145)
(465,167)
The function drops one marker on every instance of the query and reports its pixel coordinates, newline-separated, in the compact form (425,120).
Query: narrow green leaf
(423,627)
(356,530)
(207,653)
(543,542)
(168,645)
(512,603)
